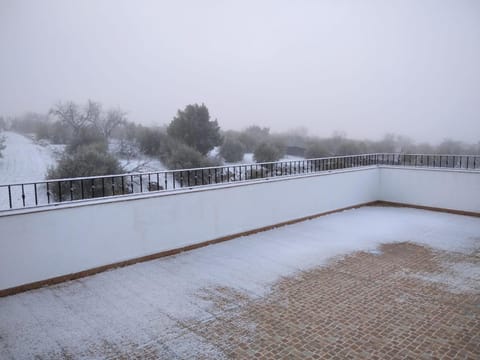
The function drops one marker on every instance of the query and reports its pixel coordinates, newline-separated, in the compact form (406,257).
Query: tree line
(187,141)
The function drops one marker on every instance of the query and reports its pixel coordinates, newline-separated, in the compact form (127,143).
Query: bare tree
(92,112)
(92,115)
(69,113)
(108,122)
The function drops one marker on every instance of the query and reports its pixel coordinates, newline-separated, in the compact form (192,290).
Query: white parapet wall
(48,242)
(45,243)
(447,189)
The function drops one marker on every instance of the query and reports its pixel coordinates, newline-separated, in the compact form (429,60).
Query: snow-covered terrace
(392,267)
(328,286)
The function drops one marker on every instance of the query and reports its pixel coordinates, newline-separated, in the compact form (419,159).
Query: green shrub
(193,127)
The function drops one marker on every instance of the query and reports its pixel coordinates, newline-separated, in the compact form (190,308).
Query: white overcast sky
(410,67)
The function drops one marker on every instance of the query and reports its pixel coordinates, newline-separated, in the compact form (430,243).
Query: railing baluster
(23,195)
(10,196)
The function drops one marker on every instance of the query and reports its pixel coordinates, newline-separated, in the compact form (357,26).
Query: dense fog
(361,68)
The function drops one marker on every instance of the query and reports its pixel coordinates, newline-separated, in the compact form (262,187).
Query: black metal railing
(32,194)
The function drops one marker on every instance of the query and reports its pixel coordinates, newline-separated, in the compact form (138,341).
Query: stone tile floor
(365,306)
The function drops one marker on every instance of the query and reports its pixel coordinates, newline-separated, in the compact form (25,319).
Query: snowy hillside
(23,160)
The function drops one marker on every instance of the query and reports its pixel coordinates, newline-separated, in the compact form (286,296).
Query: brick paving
(365,306)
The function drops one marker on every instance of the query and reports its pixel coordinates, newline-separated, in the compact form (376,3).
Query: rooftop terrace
(372,273)
(373,282)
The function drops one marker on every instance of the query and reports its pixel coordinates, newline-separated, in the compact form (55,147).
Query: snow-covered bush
(267,152)
(232,150)
(182,156)
(89,160)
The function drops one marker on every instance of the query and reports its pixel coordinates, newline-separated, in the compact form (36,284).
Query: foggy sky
(363,67)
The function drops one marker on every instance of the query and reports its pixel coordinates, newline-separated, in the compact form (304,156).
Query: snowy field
(24,160)
(147,304)
(248,157)
(137,162)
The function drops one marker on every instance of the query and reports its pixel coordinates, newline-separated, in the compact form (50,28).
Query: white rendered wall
(440,188)
(38,245)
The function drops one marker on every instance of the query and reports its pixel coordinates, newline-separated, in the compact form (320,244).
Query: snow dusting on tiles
(147,306)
